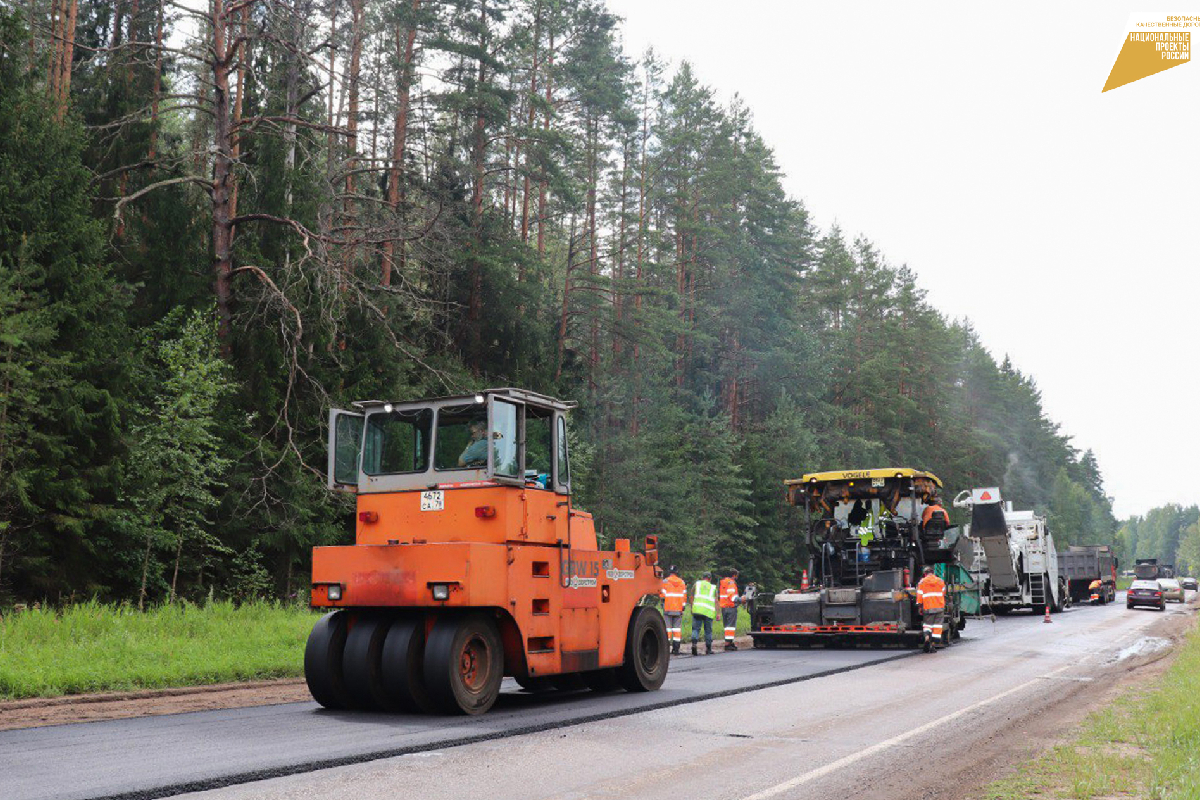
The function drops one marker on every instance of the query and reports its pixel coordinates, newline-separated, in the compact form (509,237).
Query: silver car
(1171,589)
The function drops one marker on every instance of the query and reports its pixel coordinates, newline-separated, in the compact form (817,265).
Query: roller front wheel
(646,648)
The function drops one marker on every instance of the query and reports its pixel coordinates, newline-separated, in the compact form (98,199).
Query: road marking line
(820,772)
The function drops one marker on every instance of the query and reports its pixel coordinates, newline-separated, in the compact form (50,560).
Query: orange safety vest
(931,593)
(673,593)
(1095,584)
(929,510)
(727,597)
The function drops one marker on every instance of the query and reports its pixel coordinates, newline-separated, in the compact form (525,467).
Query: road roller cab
(470,563)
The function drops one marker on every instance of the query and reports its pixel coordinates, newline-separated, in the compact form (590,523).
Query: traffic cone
(804,581)
(1047,617)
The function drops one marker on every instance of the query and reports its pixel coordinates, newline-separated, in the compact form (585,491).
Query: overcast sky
(974,145)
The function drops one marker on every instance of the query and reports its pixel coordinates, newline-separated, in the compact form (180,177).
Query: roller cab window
(397,442)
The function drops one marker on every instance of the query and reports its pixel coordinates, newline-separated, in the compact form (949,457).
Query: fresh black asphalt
(152,757)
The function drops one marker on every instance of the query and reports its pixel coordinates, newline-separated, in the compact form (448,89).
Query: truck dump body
(1083,564)
(1148,569)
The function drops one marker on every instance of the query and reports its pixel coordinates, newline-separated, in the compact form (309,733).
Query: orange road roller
(470,564)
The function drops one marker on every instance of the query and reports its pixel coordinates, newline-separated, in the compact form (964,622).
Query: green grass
(1124,583)
(93,647)
(1145,745)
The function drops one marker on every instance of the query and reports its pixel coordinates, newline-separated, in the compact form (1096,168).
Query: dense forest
(1169,533)
(219,218)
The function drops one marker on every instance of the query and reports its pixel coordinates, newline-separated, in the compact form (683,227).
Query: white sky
(973,144)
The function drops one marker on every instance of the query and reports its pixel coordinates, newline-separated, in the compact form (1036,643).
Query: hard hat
(928,570)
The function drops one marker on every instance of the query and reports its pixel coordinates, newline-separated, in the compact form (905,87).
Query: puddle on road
(1146,646)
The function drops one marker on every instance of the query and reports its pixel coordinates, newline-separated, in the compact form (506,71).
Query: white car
(1171,589)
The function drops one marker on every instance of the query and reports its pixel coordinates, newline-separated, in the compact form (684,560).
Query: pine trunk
(478,165)
(593,253)
(145,573)
(533,90)
(223,182)
(399,137)
(353,79)
(541,237)
(156,95)
(175,572)
(566,301)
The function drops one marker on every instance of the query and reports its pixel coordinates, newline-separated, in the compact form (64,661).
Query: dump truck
(1148,569)
(1016,565)
(471,563)
(1081,565)
(867,548)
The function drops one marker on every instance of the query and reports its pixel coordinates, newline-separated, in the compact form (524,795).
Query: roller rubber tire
(402,661)
(362,666)
(464,664)
(602,680)
(323,661)
(646,652)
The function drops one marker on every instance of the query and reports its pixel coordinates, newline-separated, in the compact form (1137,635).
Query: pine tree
(62,348)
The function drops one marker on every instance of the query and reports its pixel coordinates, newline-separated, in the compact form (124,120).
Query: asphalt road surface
(753,725)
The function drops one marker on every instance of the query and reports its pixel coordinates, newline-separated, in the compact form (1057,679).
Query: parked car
(1171,589)
(1145,593)
(1188,583)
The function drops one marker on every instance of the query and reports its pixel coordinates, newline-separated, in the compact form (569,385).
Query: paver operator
(704,609)
(728,599)
(931,597)
(934,514)
(674,595)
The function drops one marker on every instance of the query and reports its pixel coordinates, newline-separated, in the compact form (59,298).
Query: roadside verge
(1143,743)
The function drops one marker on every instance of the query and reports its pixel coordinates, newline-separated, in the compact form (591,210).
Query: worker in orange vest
(727,599)
(674,595)
(931,597)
